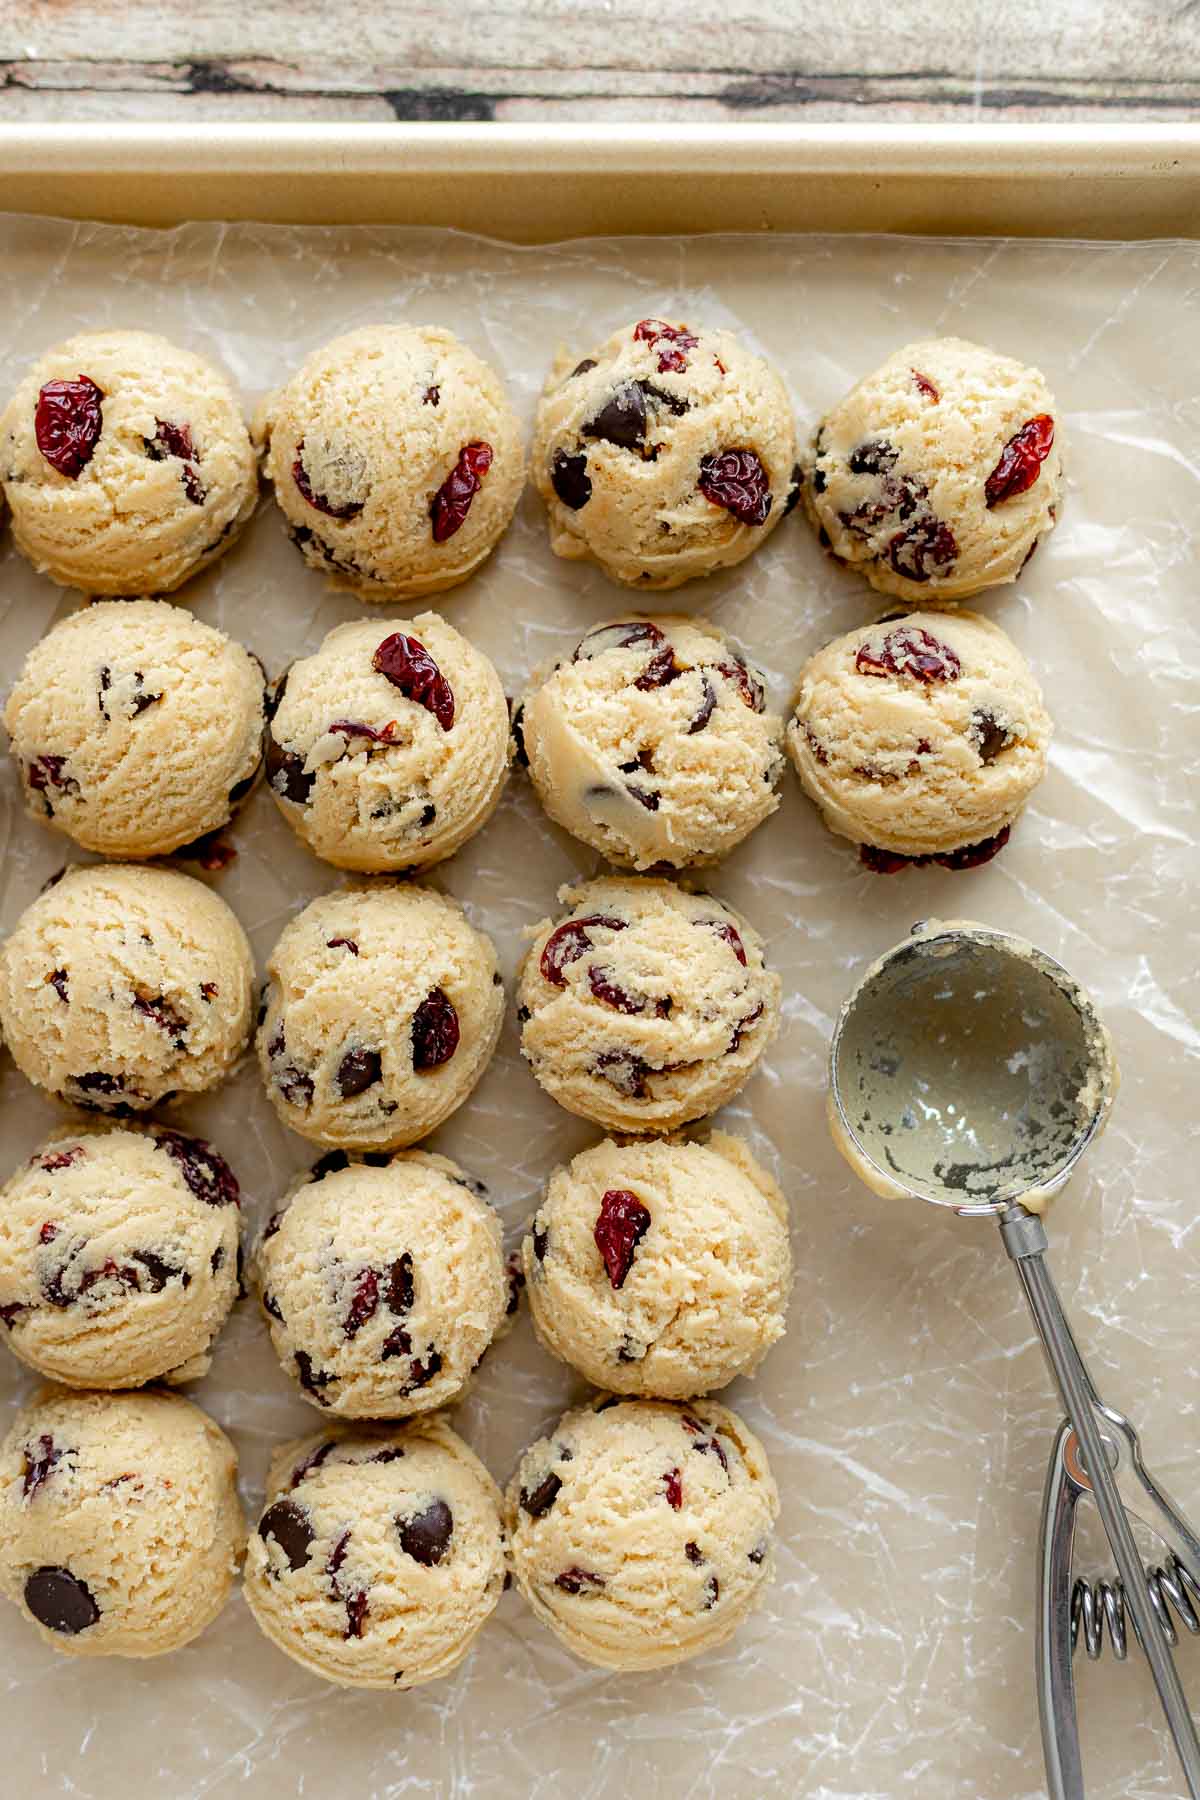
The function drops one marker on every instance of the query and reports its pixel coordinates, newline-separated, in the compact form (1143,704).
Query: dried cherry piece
(712,1591)
(973,856)
(795,487)
(624,1070)
(910,650)
(435,1031)
(750,688)
(399,1292)
(661,669)
(352,728)
(989,736)
(357,1071)
(295,1085)
(161,1013)
(925,386)
(926,540)
(653,331)
(363,1302)
(452,502)
(312,1461)
(426,1536)
(875,457)
(39,1459)
(729,933)
(736,480)
(58,1599)
(578,1581)
(289,1524)
(349,510)
(342,943)
(159,1271)
(99,1081)
(540,1499)
(621,420)
(693,1552)
(708,1444)
(312,1380)
(708,705)
(205,1171)
(611,994)
(60,1159)
(1020,461)
(621,1224)
(10,1313)
(47,772)
(622,635)
(570,480)
(515,1276)
(57,979)
(673,1488)
(569,942)
(67,424)
(286,773)
(407,664)
(432,396)
(743,1026)
(644,796)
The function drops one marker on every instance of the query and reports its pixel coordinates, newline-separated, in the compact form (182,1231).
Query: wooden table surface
(875,60)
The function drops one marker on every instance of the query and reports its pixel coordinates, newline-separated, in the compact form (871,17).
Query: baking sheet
(907,1413)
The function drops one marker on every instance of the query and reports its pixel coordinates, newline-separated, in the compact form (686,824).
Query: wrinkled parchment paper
(907,1414)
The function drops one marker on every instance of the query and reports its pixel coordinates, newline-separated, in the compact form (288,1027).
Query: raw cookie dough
(665,454)
(126,462)
(121,987)
(938,474)
(396,459)
(379,1555)
(652,742)
(660,1268)
(383,1009)
(118,1255)
(120,1528)
(640,1531)
(135,727)
(382,1286)
(922,735)
(645,1006)
(389,747)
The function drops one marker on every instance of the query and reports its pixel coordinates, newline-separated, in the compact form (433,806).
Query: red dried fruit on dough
(67,424)
(1020,461)
(452,502)
(407,664)
(621,1224)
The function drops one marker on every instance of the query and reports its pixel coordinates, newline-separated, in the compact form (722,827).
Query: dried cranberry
(569,942)
(578,1581)
(349,510)
(570,480)
(661,669)
(612,995)
(873,458)
(47,772)
(708,705)
(1020,461)
(673,1487)
(212,851)
(537,1501)
(624,1070)
(988,736)
(909,650)
(57,979)
(926,540)
(60,1159)
(693,1552)
(621,420)
(435,1031)
(706,1444)
(925,386)
(312,1461)
(161,1013)
(363,1302)
(621,1224)
(10,1313)
(55,1597)
(432,396)
(399,1292)
(176,440)
(731,935)
(407,664)
(295,1085)
(67,424)
(750,689)
(289,1524)
(39,1460)
(286,773)
(159,1271)
(99,1081)
(426,1536)
(515,1276)
(654,331)
(743,1026)
(342,943)
(452,502)
(623,635)
(312,1380)
(207,1173)
(973,856)
(352,728)
(712,1590)
(47,1232)
(357,1071)
(736,480)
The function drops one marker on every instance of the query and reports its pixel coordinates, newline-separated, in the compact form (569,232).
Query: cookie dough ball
(640,1531)
(121,987)
(653,743)
(136,728)
(384,1006)
(396,459)
(937,475)
(382,1286)
(379,1556)
(120,1528)
(921,736)
(126,462)
(665,454)
(118,1256)
(389,748)
(660,1268)
(645,1006)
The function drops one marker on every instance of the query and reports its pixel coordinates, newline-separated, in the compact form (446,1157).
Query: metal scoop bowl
(968,1069)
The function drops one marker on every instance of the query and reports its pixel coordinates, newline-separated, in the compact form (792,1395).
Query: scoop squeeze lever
(968,1069)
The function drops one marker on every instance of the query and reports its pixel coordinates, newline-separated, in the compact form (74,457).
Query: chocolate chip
(60,1601)
(426,1537)
(286,774)
(988,736)
(694,1553)
(357,1071)
(622,418)
(542,1497)
(289,1524)
(570,480)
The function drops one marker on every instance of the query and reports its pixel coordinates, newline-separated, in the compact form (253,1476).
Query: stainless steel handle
(1055,1674)
(1025,1241)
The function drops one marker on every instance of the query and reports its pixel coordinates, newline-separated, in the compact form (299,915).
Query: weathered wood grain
(599,59)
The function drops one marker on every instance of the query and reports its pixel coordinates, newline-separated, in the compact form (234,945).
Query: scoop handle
(1025,1241)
